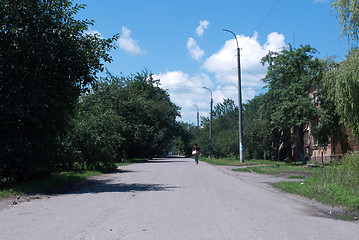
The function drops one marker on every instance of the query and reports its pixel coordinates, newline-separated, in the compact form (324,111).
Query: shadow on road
(108,186)
(168,159)
(164,161)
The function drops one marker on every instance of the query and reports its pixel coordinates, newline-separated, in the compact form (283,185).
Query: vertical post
(197,115)
(240,130)
(211,119)
(210,113)
(197,119)
(241,154)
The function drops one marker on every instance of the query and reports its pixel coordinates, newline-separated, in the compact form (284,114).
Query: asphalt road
(174,199)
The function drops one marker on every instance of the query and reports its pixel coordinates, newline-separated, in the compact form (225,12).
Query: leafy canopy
(46,61)
(347,11)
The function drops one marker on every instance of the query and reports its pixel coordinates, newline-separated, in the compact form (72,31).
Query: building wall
(315,153)
(319,154)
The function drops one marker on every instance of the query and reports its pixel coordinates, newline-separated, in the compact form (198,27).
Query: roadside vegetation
(57,182)
(56,113)
(51,184)
(336,183)
(265,166)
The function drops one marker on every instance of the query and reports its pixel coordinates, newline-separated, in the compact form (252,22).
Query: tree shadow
(164,161)
(105,186)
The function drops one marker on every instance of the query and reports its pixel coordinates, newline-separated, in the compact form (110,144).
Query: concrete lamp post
(241,152)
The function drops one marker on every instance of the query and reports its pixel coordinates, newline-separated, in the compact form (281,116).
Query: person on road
(195,152)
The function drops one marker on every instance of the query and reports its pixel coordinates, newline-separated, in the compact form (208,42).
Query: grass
(48,184)
(335,184)
(263,166)
(235,162)
(54,182)
(296,177)
(279,168)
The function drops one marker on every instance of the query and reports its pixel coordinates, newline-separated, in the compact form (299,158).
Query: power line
(275,3)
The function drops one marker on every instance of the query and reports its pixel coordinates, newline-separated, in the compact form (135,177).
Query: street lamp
(197,115)
(210,118)
(241,155)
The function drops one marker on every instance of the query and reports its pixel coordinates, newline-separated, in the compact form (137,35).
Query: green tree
(46,60)
(225,128)
(327,129)
(256,130)
(290,74)
(342,84)
(341,80)
(224,141)
(124,118)
(347,12)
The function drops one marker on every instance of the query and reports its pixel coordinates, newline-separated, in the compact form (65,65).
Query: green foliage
(281,168)
(328,128)
(336,184)
(347,11)
(256,130)
(290,75)
(289,107)
(46,60)
(232,161)
(51,184)
(341,80)
(344,174)
(123,118)
(224,141)
(342,84)
(187,137)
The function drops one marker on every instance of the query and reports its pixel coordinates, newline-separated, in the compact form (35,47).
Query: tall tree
(224,141)
(225,129)
(124,117)
(342,84)
(347,12)
(341,80)
(46,60)
(290,74)
(256,130)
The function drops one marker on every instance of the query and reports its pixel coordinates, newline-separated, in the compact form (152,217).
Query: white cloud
(224,62)
(185,91)
(202,26)
(128,44)
(195,51)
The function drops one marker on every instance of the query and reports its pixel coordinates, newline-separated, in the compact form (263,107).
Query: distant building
(315,153)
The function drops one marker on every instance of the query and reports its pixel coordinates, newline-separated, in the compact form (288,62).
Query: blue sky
(182,42)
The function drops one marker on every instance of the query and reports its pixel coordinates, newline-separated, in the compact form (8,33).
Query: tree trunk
(299,144)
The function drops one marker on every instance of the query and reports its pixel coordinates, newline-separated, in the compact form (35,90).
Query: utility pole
(210,118)
(241,153)
(197,115)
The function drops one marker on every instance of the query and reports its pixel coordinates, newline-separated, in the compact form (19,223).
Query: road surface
(174,199)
